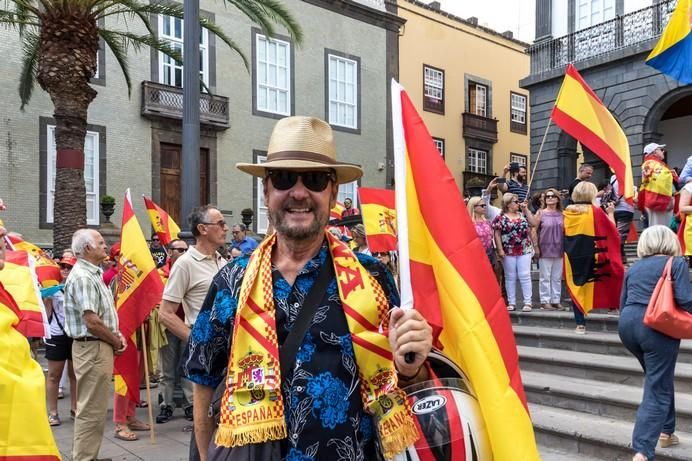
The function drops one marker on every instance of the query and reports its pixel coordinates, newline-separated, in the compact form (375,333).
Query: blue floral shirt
(324,410)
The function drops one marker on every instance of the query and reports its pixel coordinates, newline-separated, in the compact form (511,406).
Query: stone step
(595,342)
(617,401)
(591,437)
(598,320)
(598,367)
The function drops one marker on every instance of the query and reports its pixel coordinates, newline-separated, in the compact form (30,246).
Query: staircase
(584,391)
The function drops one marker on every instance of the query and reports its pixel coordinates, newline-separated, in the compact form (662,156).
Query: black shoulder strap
(289,349)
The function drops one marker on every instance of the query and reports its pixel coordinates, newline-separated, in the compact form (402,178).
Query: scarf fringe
(404,436)
(227,436)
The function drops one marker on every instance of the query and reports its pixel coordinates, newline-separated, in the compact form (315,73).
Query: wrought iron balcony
(621,32)
(479,127)
(159,100)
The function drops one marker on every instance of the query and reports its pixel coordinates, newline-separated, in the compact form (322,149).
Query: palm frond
(27,78)
(257,15)
(143,11)
(116,45)
(17,20)
(216,30)
(275,11)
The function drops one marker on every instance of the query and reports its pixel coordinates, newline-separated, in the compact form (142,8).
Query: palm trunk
(69,43)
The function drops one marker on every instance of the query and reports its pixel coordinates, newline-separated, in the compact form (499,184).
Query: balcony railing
(479,127)
(159,100)
(618,33)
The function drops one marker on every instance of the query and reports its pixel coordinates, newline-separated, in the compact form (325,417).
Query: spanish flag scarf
(252,408)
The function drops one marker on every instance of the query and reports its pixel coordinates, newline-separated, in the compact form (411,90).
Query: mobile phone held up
(500,180)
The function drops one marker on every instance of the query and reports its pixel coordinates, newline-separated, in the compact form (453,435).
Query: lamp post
(189,177)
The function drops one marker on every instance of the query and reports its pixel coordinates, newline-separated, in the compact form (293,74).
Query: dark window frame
(330,52)
(261,113)
(515,126)
(444,146)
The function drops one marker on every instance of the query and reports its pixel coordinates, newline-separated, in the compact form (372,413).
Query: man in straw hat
(340,392)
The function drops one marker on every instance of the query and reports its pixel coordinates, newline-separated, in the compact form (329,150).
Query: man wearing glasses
(191,275)
(158,252)
(241,241)
(172,352)
(317,408)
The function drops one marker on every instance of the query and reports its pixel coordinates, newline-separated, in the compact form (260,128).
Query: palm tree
(60,40)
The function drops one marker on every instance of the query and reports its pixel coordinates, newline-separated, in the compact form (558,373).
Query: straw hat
(303,143)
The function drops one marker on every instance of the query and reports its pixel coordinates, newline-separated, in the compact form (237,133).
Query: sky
(501,15)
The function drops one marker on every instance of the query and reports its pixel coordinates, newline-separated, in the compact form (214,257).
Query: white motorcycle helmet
(448,417)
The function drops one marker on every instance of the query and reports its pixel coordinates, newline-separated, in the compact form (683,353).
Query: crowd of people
(217,294)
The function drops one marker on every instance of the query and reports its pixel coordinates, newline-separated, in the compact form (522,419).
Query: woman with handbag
(656,352)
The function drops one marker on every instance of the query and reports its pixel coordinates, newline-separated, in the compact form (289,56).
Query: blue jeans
(578,316)
(657,354)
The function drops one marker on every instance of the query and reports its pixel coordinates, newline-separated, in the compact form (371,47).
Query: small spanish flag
(335,213)
(379,218)
(47,270)
(163,224)
(19,278)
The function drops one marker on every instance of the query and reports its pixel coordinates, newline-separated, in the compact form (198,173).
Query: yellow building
(464,80)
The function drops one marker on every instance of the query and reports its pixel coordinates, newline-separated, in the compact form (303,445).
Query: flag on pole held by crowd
(593,263)
(582,115)
(19,279)
(379,218)
(26,434)
(47,270)
(138,291)
(672,55)
(163,224)
(335,213)
(446,275)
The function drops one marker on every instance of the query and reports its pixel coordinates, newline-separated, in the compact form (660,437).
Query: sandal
(639,457)
(137,425)
(54,420)
(527,308)
(510,307)
(666,440)
(123,433)
(142,404)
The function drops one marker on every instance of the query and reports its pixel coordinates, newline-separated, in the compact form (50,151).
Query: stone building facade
(608,43)
(135,142)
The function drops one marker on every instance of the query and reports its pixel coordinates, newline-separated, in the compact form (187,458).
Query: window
(273,75)
(440,146)
(592,12)
(521,159)
(433,89)
(478,102)
(343,91)
(262,220)
(477,161)
(91,175)
(170,70)
(518,113)
(349,190)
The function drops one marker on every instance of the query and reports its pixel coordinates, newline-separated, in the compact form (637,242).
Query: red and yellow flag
(685,235)
(47,270)
(163,224)
(593,263)
(582,114)
(656,190)
(453,284)
(19,278)
(139,291)
(335,213)
(379,218)
(24,430)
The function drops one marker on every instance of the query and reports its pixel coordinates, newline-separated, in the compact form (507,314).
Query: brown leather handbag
(663,313)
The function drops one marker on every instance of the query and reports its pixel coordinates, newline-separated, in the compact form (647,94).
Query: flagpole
(535,163)
(145,353)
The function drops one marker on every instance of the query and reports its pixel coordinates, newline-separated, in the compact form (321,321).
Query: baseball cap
(69,260)
(649,148)
(115,250)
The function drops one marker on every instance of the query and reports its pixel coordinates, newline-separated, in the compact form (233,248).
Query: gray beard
(277,218)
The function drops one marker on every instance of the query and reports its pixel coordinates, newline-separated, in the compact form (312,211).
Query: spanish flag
(163,224)
(582,115)
(685,235)
(335,213)
(450,280)
(673,52)
(139,290)
(656,190)
(593,263)
(19,279)
(379,218)
(24,430)
(47,270)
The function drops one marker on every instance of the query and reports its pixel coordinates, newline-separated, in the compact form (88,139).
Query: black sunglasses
(179,250)
(482,205)
(550,196)
(316,181)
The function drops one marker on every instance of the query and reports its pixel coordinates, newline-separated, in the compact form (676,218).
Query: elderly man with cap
(658,186)
(314,350)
